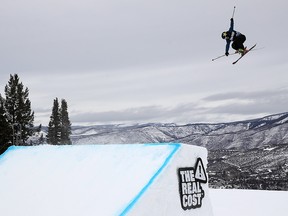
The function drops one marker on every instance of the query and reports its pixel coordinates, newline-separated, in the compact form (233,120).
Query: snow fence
(83,180)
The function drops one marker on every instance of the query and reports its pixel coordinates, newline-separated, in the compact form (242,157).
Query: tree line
(17,118)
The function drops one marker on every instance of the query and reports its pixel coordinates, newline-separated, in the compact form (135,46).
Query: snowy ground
(82,180)
(249,202)
(76,180)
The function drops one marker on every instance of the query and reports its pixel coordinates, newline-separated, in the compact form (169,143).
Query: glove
(227,53)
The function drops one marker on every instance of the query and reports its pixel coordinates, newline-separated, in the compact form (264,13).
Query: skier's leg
(242,38)
(238,44)
(235,45)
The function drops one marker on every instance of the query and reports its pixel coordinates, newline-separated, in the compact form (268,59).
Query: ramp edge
(140,194)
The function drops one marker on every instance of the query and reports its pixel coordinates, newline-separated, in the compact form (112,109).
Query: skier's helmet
(224,35)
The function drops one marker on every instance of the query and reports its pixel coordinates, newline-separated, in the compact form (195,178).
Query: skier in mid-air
(237,38)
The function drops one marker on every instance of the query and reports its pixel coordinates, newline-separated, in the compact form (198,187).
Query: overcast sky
(138,61)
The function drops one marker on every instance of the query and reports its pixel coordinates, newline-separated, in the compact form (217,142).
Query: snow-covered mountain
(248,134)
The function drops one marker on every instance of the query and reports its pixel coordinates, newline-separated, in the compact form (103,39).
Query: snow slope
(93,180)
(114,180)
(249,202)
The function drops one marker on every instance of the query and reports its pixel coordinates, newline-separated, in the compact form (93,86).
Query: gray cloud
(268,94)
(269,101)
(238,104)
(145,60)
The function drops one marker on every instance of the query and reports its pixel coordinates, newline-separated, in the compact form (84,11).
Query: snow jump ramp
(83,180)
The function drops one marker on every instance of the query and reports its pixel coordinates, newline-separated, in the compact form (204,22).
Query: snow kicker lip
(130,179)
(175,146)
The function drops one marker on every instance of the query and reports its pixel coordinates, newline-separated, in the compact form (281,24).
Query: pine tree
(39,128)
(65,123)
(59,128)
(18,107)
(5,129)
(54,127)
(41,139)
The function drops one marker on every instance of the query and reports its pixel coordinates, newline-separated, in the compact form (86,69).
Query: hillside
(269,130)
(259,168)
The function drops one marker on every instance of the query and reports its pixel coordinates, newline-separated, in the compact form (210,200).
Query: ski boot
(242,51)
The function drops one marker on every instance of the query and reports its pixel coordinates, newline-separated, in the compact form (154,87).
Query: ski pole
(233,12)
(225,55)
(218,57)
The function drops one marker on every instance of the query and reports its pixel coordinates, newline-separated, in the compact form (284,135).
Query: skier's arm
(228,41)
(231,25)
(227,47)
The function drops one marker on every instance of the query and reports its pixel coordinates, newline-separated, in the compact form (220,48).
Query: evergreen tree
(5,128)
(50,137)
(54,126)
(59,128)
(65,123)
(38,130)
(18,108)
(41,139)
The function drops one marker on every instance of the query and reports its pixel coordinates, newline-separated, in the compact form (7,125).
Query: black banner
(190,190)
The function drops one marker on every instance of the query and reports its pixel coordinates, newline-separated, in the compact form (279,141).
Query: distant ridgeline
(270,130)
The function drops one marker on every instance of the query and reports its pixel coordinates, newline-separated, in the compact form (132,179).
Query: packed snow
(230,202)
(64,182)
(61,180)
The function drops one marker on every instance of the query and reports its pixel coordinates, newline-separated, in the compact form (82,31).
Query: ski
(244,54)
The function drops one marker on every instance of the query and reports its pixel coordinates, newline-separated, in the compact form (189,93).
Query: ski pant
(238,42)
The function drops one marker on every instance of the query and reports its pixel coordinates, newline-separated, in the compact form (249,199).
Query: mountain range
(248,134)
